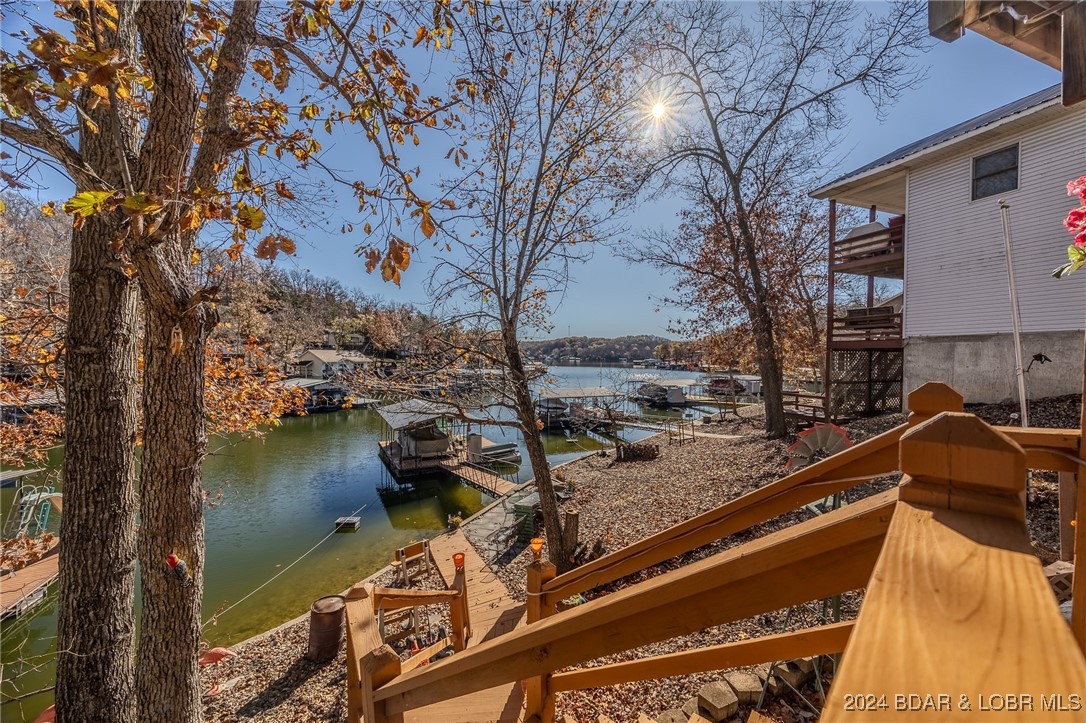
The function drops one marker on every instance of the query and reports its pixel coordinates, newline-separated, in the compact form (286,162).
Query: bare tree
(754,100)
(554,128)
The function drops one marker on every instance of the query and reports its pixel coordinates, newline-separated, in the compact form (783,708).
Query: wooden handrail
(391,598)
(821,640)
(825,556)
(872,458)
(958,619)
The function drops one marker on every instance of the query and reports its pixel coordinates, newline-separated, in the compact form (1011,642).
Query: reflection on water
(276,499)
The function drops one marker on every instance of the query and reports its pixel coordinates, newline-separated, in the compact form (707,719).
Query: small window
(995,173)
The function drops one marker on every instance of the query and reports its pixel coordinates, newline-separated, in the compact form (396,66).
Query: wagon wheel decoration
(817,443)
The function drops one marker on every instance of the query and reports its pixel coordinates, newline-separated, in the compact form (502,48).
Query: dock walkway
(477,477)
(19,589)
(492,612)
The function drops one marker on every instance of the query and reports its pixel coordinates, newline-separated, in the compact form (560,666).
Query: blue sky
(608,297)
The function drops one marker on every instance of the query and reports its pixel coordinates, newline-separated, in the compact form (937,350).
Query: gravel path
(620,503)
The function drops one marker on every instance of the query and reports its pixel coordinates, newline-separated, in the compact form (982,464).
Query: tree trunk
(172,512)
(769,367)
(97,558)
(537,455)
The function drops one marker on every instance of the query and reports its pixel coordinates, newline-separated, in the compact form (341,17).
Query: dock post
(538,697)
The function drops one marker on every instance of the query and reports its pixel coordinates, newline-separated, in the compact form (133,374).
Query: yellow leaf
(87,203)
(48,210)
(195,256)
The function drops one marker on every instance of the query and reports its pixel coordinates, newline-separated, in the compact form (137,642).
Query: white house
(325,363)
(956,323)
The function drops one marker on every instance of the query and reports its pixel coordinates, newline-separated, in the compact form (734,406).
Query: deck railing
(867,330)
(952,534)
(884,245)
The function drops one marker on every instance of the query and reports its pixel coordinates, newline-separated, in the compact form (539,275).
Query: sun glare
(658,111)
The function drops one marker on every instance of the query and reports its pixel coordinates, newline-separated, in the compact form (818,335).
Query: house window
(995,173)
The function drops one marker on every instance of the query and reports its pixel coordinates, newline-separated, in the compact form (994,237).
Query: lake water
(280,496)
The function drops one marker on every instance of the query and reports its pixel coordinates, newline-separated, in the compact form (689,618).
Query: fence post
(932,398)
(458,612)
(957,462)
(537,695)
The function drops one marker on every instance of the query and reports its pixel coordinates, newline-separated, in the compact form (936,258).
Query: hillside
(595,349)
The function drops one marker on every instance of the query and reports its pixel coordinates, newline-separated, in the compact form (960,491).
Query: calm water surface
(280,496)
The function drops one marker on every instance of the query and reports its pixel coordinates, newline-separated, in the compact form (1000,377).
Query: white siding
(956,273)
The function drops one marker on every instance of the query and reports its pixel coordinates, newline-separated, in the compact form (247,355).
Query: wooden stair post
(370,663)
(958,618)
(459,614)
(538,697)
(931,399)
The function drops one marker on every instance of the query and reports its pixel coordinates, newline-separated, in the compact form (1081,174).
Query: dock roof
(8,477)
(579,393)
(414,411)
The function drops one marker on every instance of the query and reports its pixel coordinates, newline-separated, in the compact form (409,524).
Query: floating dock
(26,587)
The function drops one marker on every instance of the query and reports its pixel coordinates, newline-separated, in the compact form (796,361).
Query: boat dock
(24,588)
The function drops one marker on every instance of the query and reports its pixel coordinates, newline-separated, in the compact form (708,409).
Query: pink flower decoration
(1080,239)
(1077,187)
(1076,220)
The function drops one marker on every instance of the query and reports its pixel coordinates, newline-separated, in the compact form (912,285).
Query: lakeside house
(945,242)
(325,363)
(321,395)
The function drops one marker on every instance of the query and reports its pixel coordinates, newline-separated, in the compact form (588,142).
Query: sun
(658,110)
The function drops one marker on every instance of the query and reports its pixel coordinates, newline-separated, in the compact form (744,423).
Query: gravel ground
(270,680)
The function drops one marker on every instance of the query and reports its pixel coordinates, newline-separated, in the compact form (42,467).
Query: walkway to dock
(18,589)
(489,482)
(492,612)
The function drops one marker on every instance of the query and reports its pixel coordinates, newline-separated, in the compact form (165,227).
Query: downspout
(1012,285)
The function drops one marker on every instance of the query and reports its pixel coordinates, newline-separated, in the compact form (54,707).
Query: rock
(718,700)
(747,686)
(776,687)
(698,718)
(604,719)
(791,674)
(642,718)
(805,665)
(690,707)
(674,715)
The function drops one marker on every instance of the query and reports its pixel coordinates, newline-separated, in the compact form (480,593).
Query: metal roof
(579,393)
(414,411)
(332,356)
(8,476)
(307,383)
(33,400)
(677,383)
(1022,105)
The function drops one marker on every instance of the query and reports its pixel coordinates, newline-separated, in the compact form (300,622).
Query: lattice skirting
(866,381)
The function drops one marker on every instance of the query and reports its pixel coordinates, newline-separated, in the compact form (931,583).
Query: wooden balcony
(877,327)
(878,253)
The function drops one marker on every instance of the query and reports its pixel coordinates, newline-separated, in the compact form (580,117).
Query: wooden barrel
(326,628)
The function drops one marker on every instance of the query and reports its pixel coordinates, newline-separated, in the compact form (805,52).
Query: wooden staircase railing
(949,466)
(958,618)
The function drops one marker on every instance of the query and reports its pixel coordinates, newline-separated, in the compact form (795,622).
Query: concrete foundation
(982,367)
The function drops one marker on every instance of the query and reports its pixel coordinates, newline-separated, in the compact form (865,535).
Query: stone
(790,673)
(718,700)
(673,715)
(604,719)
(698,718)
(642,718)
(747,686)
(690,707)
(776,687)
(805,665)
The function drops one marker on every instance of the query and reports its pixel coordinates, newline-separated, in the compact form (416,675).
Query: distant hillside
(595,349)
